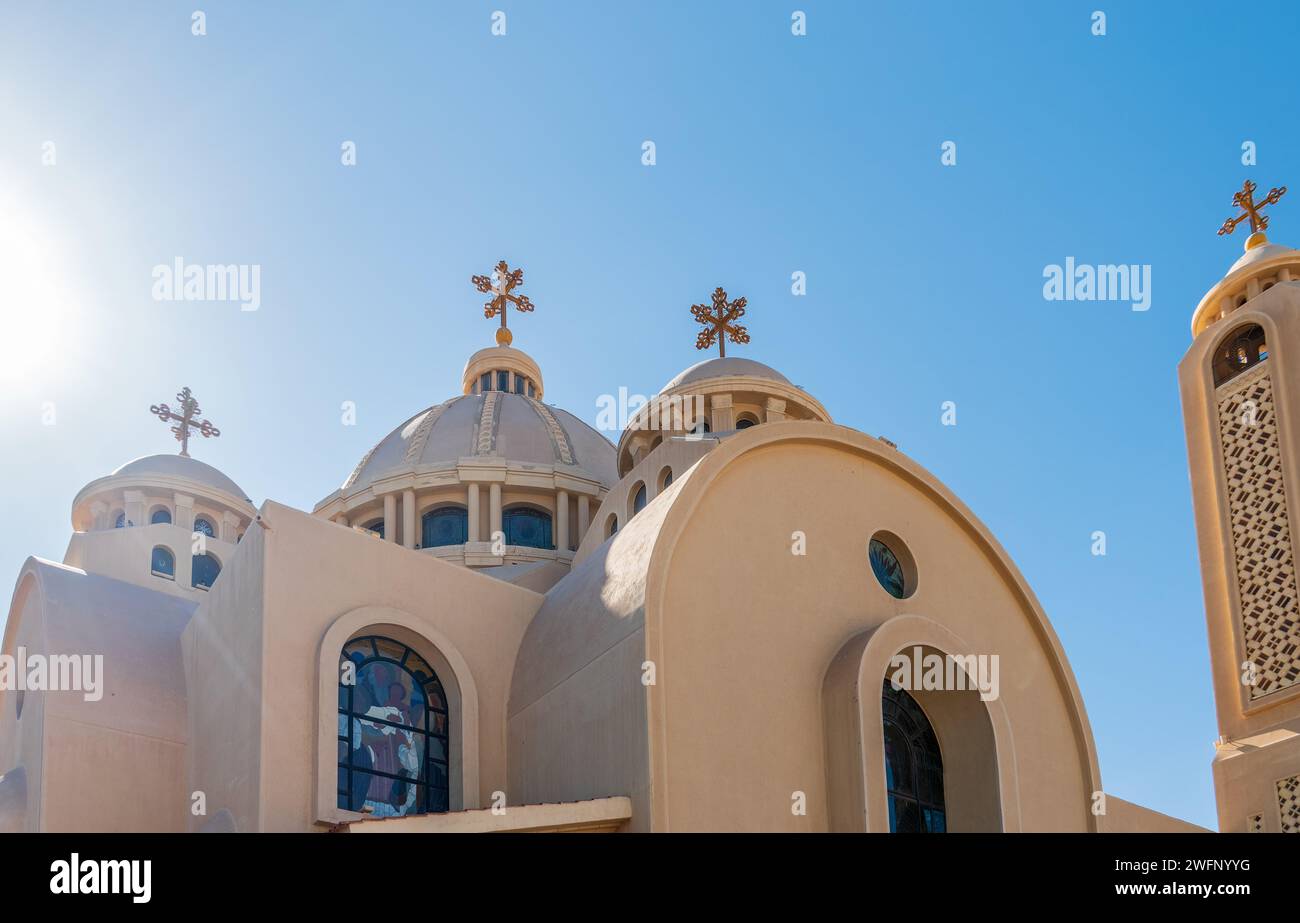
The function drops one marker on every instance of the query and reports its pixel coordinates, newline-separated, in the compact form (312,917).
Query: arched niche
(458,684)
(980,788)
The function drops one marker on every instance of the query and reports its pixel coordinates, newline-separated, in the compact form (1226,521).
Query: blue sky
(775,153)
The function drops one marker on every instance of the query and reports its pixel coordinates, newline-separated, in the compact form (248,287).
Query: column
(408,518)
(775,410)
(184,514)
(722,413)
(584,516)
(471,506)
(562,521)
(494,509)
(229,527)
(135,508)
(390,517)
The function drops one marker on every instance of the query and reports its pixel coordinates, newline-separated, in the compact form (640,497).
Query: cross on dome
(500,285)
(719,321)
(189,409)
(1245,200)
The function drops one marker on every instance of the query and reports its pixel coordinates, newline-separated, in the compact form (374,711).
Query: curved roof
(1259,254)
(514,427)
(181,466)
(725,367)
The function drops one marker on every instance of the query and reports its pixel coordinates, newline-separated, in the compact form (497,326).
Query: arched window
(119,522)
(376,527)
(162,563)
(665,478)
(161,515)
(447,525)
(611,525)
(204,570)
(913,766)
(526,526)
(746,421)
(204,526)
(638,499)
(1239,350)
(393,731)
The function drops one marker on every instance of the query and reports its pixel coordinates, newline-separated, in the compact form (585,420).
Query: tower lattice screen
(1261,534)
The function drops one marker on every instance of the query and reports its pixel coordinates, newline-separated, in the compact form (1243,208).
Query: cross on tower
(1245,200)
(719,322)
(500,285)
(189,409)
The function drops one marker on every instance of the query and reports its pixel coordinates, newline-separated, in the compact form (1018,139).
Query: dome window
(161,516)
(485,382)
(638,499)
(503,381)
(203,525)
(892,565)
(447,525)
(527,527)
(162,563)
(532,390)
(520,384)
(204,571)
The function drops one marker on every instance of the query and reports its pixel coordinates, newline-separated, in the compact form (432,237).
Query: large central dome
(493,424)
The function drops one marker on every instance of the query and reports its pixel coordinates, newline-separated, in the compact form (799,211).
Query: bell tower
(1240,385)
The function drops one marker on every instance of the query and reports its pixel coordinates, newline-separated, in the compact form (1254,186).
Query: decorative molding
(1288,804)
(559,438)
(420,438)
(487,424)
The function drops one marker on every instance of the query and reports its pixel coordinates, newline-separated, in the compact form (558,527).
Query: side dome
(181,466)
(716,396)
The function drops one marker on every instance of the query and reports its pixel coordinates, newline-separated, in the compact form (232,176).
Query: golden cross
(500,285)
(719,322)
(1245,199)
(189,409)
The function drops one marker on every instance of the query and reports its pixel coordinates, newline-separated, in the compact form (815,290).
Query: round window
(892,565)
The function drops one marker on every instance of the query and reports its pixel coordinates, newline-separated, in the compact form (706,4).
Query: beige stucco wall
(742,633)
(1126,817)
(312,575)
(112,764)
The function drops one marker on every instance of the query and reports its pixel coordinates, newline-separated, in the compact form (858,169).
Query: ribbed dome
(725,367)
(181,466)
(495,424)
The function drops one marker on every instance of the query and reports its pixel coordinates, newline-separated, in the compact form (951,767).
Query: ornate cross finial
(719,321)
(189,409)
(1245,200)
(500,285)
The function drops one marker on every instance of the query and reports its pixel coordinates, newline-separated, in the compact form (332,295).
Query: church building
(741,617)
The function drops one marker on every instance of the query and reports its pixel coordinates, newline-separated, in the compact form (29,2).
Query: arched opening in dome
(160,516)
(1240,350)
(204,571)
(746,420)
(527,527)
(445,525)
(162,563)
(203,525)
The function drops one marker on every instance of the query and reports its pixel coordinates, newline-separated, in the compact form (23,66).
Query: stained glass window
(448,525)
(204,570)
(913,766)
(393,754)
(884,564)
(162,563)
(526,526)
(160,516)
(202,525)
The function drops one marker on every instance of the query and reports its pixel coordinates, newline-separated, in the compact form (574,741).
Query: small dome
(725,367)
(181,466)
(1259,254)
(516,428)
